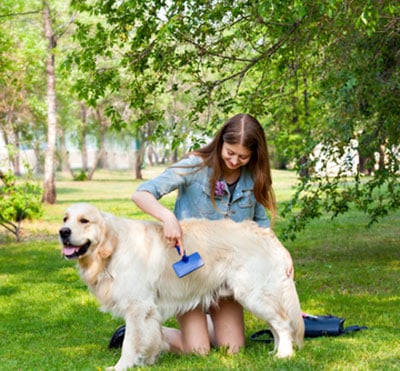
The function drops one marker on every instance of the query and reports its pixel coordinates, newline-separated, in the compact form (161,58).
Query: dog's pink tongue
(70,250)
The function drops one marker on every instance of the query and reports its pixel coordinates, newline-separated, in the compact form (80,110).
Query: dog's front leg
(129,352)
(143,340)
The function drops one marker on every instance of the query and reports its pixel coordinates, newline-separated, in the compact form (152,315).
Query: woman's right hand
(173,232)
(172,229)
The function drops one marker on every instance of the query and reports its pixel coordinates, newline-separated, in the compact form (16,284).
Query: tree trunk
(100,156)
(139,154)
(11,139)
(38,155)
(17,168)
(103,129)
(382,156)
(84,153)
(49,188)
(138,163)
(65,165)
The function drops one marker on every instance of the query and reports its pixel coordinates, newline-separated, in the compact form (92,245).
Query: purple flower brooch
(220,188)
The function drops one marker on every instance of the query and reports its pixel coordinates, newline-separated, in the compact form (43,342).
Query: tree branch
(254,61)
(63,29)
(13,229)
(20,14)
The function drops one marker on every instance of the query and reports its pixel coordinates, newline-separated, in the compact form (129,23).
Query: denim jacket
(194,201)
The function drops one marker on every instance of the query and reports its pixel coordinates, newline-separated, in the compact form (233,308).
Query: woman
(230,177)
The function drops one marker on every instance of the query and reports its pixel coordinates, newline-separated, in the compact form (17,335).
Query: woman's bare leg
(192,336)
(228,325)
(173,337)
(224,326)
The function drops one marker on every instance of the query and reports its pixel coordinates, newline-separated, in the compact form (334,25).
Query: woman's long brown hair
(245,130)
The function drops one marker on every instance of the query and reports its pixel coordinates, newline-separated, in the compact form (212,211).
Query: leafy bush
(81,176)
(18,201)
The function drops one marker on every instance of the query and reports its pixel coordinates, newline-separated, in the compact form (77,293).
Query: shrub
(18,201)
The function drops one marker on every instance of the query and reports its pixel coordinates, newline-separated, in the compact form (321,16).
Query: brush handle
(184,257)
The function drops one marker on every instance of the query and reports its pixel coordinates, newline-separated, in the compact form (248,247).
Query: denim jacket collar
(245,183)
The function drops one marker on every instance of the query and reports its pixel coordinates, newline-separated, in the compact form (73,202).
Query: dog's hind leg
(267,309)
(282,332)
(276,339)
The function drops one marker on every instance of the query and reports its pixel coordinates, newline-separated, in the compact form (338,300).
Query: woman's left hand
(290,270)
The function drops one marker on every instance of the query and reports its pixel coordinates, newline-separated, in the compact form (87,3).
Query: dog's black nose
(65,233)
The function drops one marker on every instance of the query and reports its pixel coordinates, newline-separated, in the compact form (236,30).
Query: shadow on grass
(95,201)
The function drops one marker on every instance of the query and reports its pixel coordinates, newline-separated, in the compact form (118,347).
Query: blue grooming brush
(187,264)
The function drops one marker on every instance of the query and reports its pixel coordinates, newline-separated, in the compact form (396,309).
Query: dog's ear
(108,241)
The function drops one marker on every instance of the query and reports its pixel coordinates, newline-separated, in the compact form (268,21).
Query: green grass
(49,320)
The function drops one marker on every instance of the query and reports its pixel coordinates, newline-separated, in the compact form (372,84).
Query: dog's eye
(65,219)
(84,221)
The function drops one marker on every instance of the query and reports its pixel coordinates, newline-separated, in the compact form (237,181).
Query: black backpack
(315,326)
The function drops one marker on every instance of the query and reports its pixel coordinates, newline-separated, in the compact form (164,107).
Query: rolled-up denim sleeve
(171,179)
(260,216)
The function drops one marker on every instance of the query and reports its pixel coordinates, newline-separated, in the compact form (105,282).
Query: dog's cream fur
(128,267)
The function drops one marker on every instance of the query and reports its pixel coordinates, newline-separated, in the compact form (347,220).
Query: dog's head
(83,232)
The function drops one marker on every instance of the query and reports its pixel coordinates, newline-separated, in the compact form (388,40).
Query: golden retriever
(127,264)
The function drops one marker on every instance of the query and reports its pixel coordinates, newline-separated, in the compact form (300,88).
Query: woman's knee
(228,321)
(194,332)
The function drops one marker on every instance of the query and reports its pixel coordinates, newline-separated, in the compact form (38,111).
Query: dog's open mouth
(72,252)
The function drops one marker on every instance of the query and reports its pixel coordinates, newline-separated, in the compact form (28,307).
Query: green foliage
(81,176)
(18,201)
(311,71)
(376,196)
(314,72)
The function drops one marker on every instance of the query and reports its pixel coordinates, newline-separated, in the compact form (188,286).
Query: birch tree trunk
(84,152)
(65,165)
(100,157)
(49,188)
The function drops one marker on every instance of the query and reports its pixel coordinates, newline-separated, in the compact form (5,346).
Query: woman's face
(235,155)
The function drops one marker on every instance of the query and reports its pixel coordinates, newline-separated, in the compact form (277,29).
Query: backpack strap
(354,328)
(324,329)
(264,336)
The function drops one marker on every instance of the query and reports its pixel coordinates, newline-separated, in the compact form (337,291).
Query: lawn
(49,320)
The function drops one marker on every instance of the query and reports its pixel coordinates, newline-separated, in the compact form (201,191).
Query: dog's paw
(118,368)
(284,353)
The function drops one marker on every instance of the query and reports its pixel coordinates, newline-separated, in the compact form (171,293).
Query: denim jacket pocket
(247,200)
(204,206)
